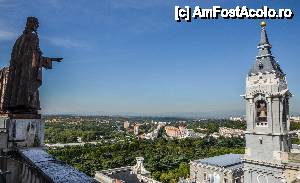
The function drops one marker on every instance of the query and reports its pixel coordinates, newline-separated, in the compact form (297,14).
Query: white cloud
(7,35)
(67,43)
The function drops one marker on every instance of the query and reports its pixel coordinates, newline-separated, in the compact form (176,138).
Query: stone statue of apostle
(25,72)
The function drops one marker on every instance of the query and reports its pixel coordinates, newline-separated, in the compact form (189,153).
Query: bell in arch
(262,114)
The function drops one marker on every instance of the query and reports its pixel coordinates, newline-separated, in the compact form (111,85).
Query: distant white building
(230,132)
(190,133)
(215,135)
(182,132)
(240,119)
(126,125)
(295,119)
(136,129)
(152,135)
(79,139)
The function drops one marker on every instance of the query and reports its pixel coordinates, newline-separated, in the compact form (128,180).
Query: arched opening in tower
(261,111)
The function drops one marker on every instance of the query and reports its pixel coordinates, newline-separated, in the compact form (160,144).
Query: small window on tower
(284,114)
(237,180)
(225,180)
(261,66)
(260,140)
(261,113)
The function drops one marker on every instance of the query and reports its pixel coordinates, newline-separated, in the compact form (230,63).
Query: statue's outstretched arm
(46,62)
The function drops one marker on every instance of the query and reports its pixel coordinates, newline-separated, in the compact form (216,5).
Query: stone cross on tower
(267,113)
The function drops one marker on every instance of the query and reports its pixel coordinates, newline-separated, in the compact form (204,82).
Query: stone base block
(22,131)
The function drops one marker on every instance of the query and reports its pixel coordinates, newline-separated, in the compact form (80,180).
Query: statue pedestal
(22,130)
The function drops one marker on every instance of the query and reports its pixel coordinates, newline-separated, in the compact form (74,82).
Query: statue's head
(32,24)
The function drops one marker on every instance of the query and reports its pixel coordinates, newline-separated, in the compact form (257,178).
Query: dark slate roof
(125,176)
(263,37)
(266,64)
(228,161)
(265,61)
(53,169)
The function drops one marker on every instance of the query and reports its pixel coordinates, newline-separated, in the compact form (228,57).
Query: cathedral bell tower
(267,115)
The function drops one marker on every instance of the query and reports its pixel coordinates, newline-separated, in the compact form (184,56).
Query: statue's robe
(25,75)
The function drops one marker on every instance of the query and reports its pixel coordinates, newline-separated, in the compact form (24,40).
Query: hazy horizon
(131,56)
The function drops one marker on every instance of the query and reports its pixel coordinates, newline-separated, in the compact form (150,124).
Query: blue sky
(131,56)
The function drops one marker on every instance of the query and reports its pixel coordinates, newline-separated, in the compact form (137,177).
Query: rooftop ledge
(52,169)
(294,157)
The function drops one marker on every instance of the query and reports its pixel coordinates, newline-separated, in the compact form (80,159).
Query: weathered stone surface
(25,132)
(55,170)
(3,84)
(294,158)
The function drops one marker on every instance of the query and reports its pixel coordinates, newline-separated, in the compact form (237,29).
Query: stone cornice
(263,133)
(216,168)
(264,163)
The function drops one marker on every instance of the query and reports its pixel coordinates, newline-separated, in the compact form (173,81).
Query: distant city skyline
(132,57)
